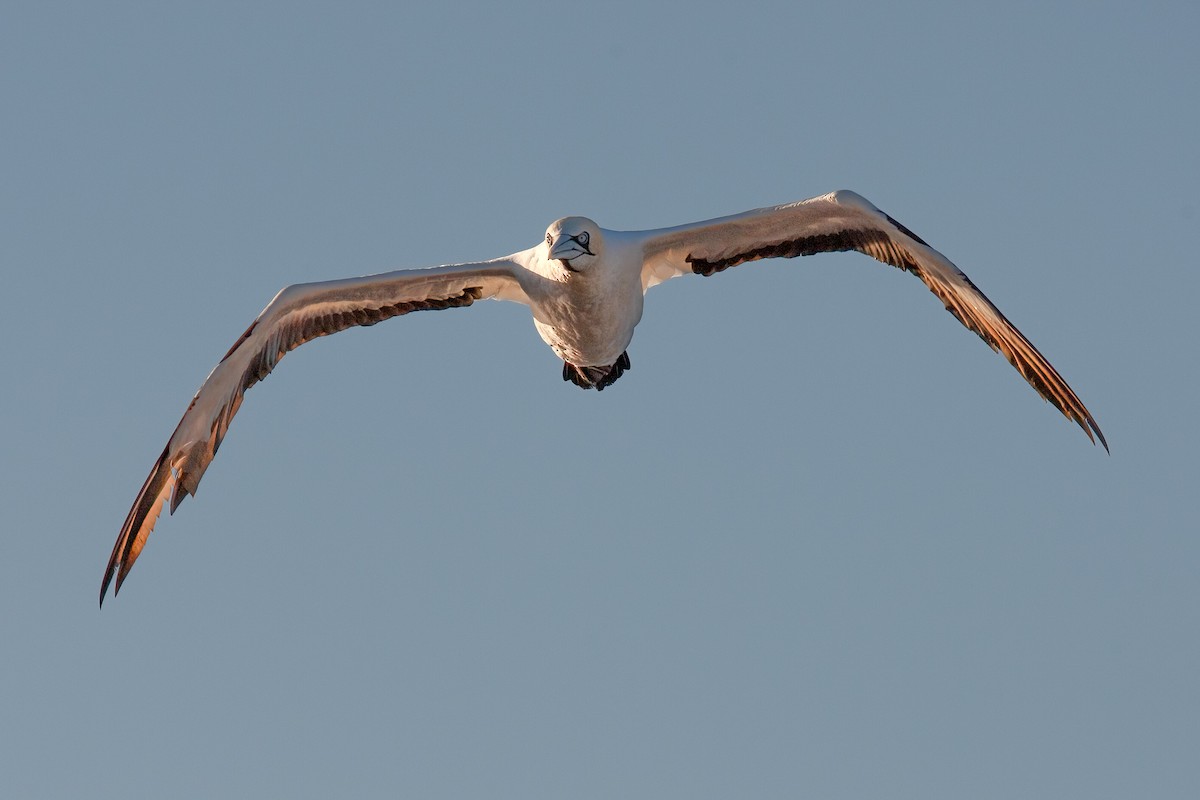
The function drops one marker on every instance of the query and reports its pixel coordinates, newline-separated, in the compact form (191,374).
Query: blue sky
(818,542)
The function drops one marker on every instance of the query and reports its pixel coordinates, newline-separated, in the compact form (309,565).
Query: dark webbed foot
(596,377)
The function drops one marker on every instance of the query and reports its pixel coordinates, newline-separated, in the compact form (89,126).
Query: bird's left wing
(297,314)
(841,221)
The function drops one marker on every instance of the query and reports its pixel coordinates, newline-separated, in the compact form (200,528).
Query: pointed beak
(565,248)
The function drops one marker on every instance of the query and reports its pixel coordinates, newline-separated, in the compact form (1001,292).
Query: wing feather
(846,221)
(298,314)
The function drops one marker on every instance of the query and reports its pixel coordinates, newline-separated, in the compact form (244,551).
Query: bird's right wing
(297,314)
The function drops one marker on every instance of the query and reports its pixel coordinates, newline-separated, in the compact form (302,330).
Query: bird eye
(583,238)
(549,239)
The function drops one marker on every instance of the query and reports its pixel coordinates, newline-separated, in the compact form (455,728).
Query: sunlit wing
(846,221)
(297,314)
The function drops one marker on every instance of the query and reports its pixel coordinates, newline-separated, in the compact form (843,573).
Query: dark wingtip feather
(1099,435)
(108,573)
(144,512)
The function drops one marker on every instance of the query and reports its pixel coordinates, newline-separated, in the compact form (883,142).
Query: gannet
(585,287)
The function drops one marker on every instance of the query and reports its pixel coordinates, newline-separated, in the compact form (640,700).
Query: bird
(585,287)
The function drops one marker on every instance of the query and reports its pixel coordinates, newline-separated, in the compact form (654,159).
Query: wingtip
(109,572)
(138,525)
(1093,430)
(104,586)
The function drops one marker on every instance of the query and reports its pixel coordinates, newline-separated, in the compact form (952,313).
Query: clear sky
(819,542)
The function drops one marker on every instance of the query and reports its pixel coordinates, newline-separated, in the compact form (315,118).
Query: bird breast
(589,322)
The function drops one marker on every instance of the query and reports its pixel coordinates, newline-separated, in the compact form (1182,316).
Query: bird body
(587,312)
(584,286)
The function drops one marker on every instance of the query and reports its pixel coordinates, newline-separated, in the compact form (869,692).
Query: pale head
(575,242)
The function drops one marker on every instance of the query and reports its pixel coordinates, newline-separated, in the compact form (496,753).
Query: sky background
(819,542)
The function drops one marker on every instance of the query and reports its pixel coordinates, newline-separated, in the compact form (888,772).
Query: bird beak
(565,248)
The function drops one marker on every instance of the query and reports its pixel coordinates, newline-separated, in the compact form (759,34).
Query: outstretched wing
(297,314)
(841,221)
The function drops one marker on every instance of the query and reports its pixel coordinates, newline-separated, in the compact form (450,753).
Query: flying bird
(585,286)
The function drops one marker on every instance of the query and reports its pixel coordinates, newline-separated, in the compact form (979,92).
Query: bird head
(575,242)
